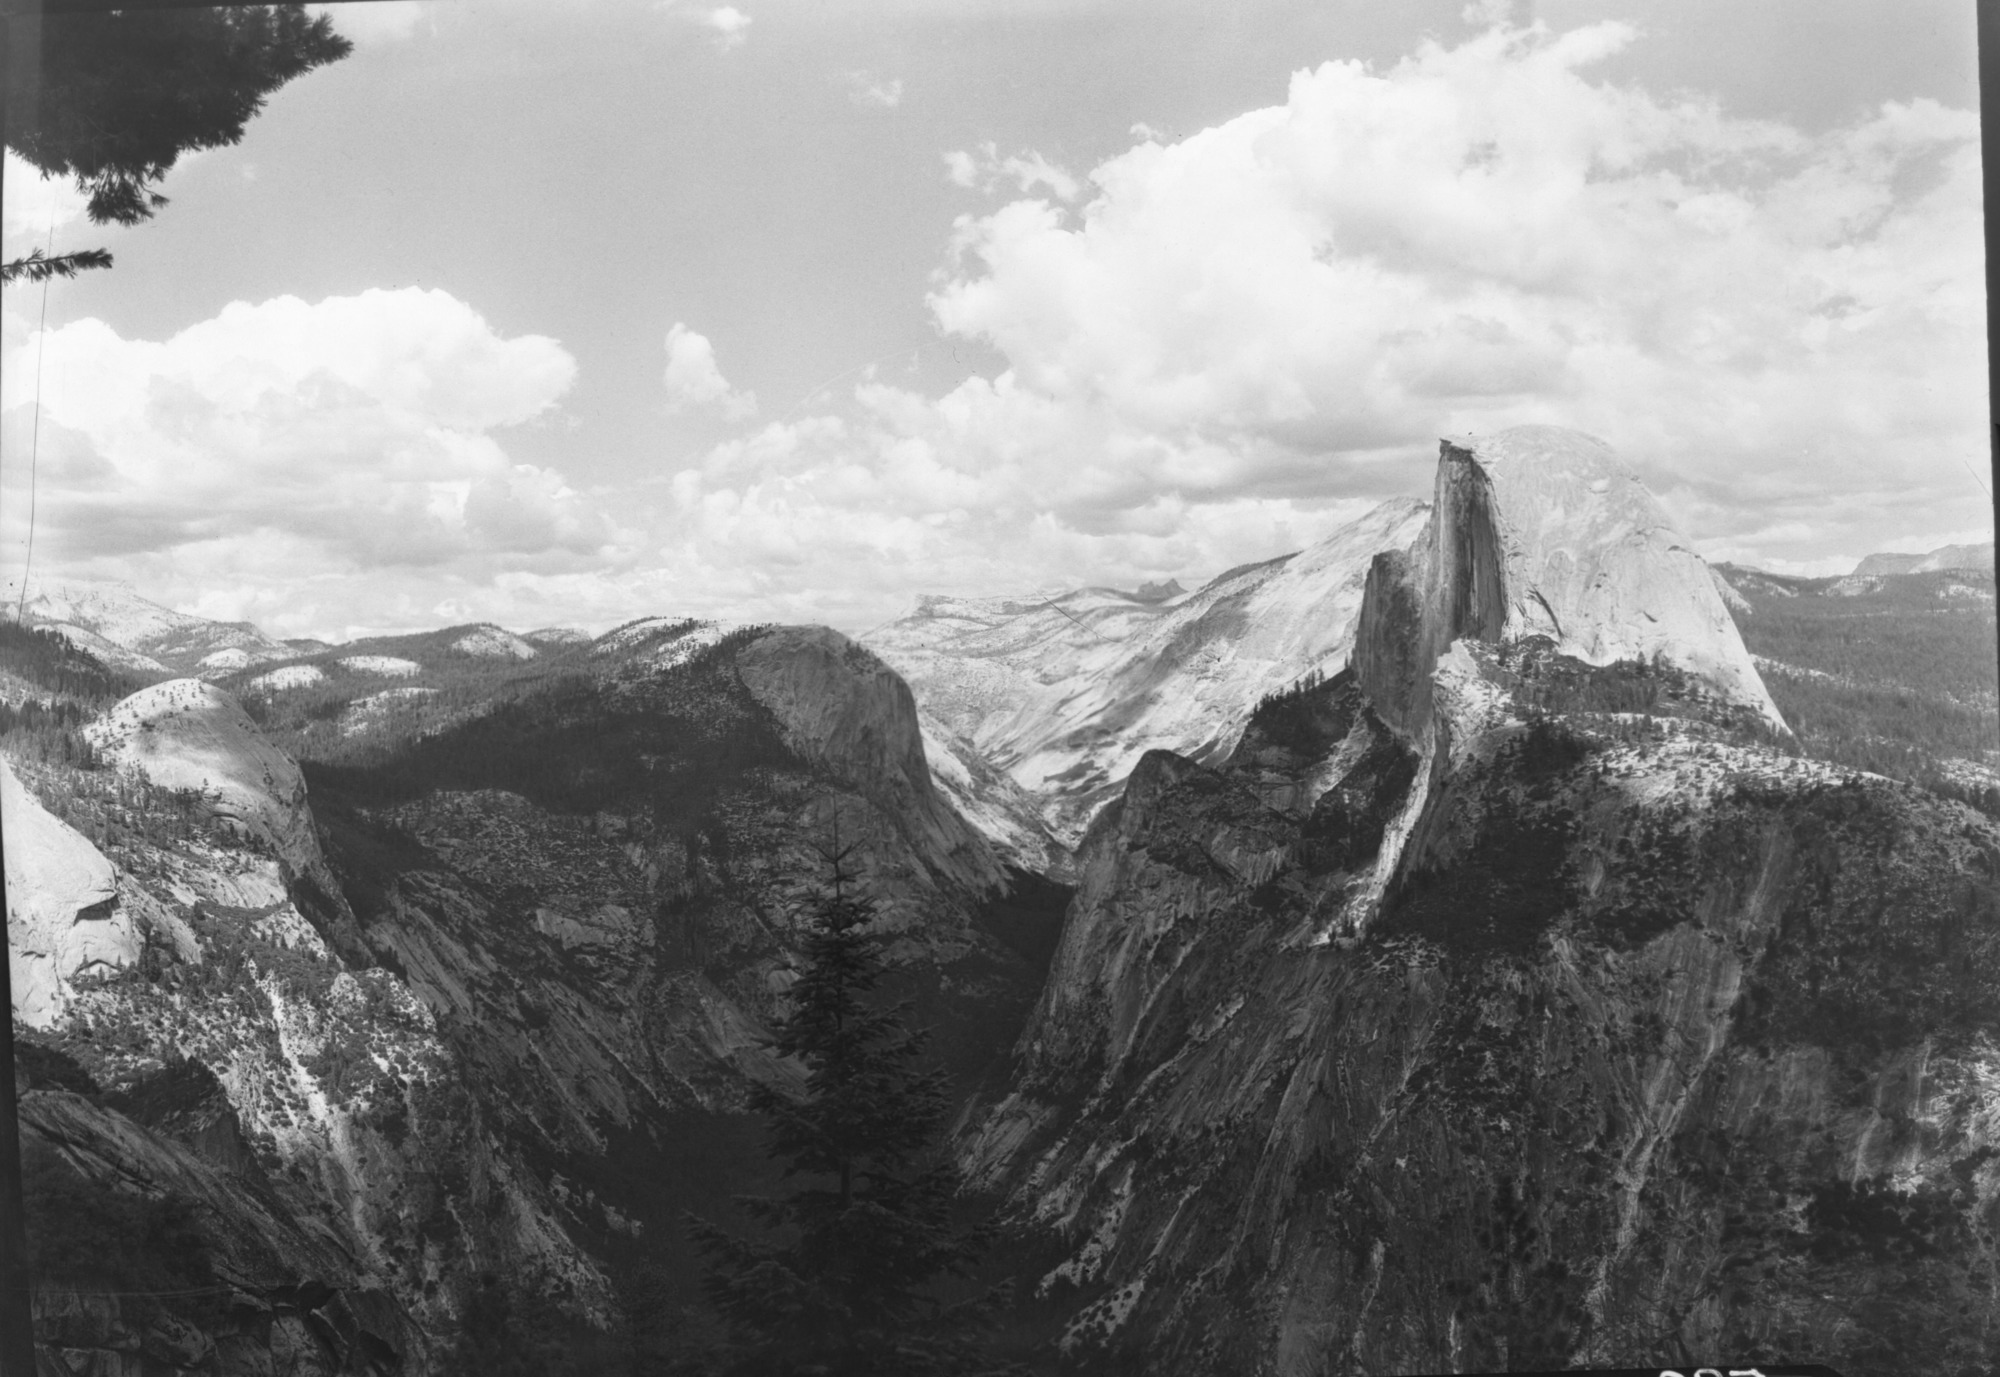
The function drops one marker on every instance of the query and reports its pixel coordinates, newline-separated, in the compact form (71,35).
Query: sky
(563,312)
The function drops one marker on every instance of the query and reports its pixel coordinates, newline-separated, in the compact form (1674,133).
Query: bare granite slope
(1540,531)
(1066,692)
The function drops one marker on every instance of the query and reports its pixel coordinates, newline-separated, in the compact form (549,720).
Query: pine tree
(118,97)
(847,1286)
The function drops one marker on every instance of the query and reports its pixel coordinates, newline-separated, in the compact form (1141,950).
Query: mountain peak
(1544,532)
(1946,557)
(1066,693)
(113,621)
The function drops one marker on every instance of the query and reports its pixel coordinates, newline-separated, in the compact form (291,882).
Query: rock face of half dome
(1544,532)
(1488,1002)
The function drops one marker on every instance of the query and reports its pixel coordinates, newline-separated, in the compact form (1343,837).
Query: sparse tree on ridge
(847,1284)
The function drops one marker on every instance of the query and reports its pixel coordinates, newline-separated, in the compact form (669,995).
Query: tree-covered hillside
(1895,674)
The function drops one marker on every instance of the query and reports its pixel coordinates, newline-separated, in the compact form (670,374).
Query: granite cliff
(1517,998)
(1466,968)
(481,999)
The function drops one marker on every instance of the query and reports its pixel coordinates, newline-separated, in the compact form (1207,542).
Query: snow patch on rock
(389,666)
(638,632)
(494,643)
(225,661)
(681,649)
(364,713)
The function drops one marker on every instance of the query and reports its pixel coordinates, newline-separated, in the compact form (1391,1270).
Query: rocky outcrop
(1544,532)
(841,708)
(64,921)
(187,736)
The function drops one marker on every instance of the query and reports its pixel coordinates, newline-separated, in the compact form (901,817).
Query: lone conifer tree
(847,1286)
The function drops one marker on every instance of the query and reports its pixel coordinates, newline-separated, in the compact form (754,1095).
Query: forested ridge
(1895,674)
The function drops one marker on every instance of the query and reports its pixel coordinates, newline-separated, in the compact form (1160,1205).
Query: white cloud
(876,92)
(961,169)
(1488,14)
(1248,331)
(34,203)
(730,26)
(987,171)
(286,441)
(693,380)
(381,21)
(1212,350)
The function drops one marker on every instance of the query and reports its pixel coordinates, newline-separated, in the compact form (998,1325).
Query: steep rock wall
(844,709)
(63,916)
(1544,532)
(1513,1002)
(1630,1010)
(276,1292)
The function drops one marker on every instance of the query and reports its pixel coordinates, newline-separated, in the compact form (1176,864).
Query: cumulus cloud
(694,382)
(879,93)
(286,440)
(1248,334)
(1210,350)
(377,21)
(985,170)
(730,26)
(34,204)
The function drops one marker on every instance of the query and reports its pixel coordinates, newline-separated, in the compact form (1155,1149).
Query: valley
(1486,938)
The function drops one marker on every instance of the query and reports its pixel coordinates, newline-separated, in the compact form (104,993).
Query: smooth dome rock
(189,735)
(1544,532)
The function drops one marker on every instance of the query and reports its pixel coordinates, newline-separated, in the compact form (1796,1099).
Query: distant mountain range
(128,631)
(1891,672)
(1977,557)
(1489,938)
(1037,707)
